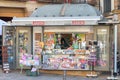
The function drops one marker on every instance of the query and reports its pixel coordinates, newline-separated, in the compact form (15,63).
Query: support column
(115,50)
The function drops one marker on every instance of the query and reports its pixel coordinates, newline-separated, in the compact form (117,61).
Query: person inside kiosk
(64,43)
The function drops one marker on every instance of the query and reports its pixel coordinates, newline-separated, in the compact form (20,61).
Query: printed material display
(69,62)
(80,55)
(9,39)
(29,60)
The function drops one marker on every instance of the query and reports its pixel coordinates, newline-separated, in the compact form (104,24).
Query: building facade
(64,26)
(21,8)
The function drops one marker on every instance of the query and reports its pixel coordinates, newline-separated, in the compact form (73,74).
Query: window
(107,6)
(118,4)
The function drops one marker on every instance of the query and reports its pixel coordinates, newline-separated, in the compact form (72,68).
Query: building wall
(28,6)
(11,6)
(116,4)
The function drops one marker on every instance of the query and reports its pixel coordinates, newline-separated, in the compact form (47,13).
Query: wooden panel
(12,12)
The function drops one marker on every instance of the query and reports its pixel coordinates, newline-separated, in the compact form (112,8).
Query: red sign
(38,23)
(78,22)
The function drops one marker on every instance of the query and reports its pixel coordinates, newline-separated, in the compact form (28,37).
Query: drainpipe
(99,6)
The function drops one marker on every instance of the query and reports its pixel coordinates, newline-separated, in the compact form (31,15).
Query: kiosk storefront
(61,42)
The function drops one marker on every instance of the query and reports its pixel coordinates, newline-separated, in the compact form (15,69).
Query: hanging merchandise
(75,45)
(10,59)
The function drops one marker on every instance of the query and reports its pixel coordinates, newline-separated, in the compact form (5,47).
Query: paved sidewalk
(17,76)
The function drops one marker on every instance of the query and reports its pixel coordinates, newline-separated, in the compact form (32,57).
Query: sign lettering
(38,23)
(78,22)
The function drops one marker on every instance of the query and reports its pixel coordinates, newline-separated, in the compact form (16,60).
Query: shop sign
(78,22)
(56,22)
(38,23)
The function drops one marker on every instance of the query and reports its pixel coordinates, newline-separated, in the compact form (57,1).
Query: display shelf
(5,62)
(64,54)
(67,62)
(66,51)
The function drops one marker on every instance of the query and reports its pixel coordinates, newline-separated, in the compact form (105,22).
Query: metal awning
(45,21)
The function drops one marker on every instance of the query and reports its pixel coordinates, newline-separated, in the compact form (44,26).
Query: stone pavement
(16,75)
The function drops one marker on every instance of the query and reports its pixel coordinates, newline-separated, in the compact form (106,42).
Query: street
(16,75)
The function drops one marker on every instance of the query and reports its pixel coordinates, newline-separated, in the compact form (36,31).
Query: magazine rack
(92,62)
(5,60)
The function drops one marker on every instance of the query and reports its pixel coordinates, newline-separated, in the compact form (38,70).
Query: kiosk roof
(66,10)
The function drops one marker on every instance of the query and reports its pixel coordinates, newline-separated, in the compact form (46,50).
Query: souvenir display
(9,43)
(23,40)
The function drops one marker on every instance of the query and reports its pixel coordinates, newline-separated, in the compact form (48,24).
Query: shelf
(64,54)
(65,69)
